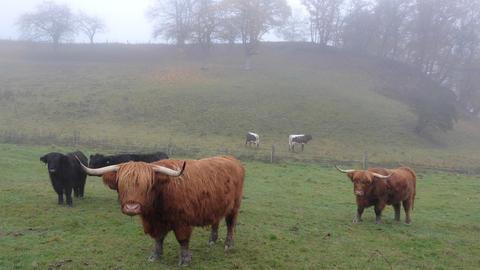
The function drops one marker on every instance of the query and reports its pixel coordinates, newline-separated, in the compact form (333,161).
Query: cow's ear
(110,179)
(350,175)
(44,159)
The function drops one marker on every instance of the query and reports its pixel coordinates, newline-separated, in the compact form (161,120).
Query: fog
(126,20)
(310,111)
(424,55)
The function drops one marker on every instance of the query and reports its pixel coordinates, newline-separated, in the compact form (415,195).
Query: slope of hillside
(151,96)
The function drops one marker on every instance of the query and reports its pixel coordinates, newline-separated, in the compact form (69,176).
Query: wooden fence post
(272,154)
(76,138)
(169,149)
(365,160)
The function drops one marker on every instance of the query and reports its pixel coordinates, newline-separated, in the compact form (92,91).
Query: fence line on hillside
(269,154)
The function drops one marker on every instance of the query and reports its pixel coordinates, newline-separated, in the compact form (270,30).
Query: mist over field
(373,83)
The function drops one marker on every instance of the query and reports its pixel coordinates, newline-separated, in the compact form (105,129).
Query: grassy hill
(151,96)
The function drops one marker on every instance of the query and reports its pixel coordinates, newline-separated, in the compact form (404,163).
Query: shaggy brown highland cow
(380,187)
(174,195)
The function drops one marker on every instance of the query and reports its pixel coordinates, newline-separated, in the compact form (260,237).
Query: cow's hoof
(378,222)
(154,257)
(356,220)
(408,223)
(185,258)
(213,239)
(229,244)
(184,263)
(69,205)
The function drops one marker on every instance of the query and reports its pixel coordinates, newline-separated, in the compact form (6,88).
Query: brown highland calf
(171,195)
(380,187)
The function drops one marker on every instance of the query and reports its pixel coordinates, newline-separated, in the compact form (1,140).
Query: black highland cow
(99,160)
(66,174)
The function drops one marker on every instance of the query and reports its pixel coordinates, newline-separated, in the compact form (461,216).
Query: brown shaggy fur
(208,190)
(369,190)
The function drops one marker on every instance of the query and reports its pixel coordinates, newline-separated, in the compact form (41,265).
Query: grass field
(153,96)
(293,216)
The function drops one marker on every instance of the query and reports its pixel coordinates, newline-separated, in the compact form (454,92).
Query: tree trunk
(248,61)
(205,56)
(56,44)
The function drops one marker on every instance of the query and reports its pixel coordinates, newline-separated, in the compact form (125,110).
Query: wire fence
(266,153)
(276,154)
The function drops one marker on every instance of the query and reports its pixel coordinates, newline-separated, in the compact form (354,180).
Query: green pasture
(293,216)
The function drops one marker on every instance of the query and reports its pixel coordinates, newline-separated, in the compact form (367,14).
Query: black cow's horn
(99,171)
(343,171)
(169,171)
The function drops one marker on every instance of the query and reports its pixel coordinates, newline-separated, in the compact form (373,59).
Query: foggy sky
(125,19)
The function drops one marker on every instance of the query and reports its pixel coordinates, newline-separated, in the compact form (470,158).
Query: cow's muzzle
(132,209)
(358,192)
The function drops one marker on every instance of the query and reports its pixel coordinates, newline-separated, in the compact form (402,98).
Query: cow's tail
(413,199)
(414,175)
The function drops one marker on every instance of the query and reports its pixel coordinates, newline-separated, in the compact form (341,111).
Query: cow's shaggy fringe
(135,177)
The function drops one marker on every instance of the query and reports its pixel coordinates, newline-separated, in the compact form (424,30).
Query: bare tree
(227,29)
(325,19)
(173,19)
(295,28)
(253,19)
(49,22)
(431,35)
(392,17)
(360,27)
(90,25)
(467,52)
(205,22)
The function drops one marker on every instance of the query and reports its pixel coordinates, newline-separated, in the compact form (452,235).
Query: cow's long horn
(343,171)
(99,171)
(381,176)
(169,171)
